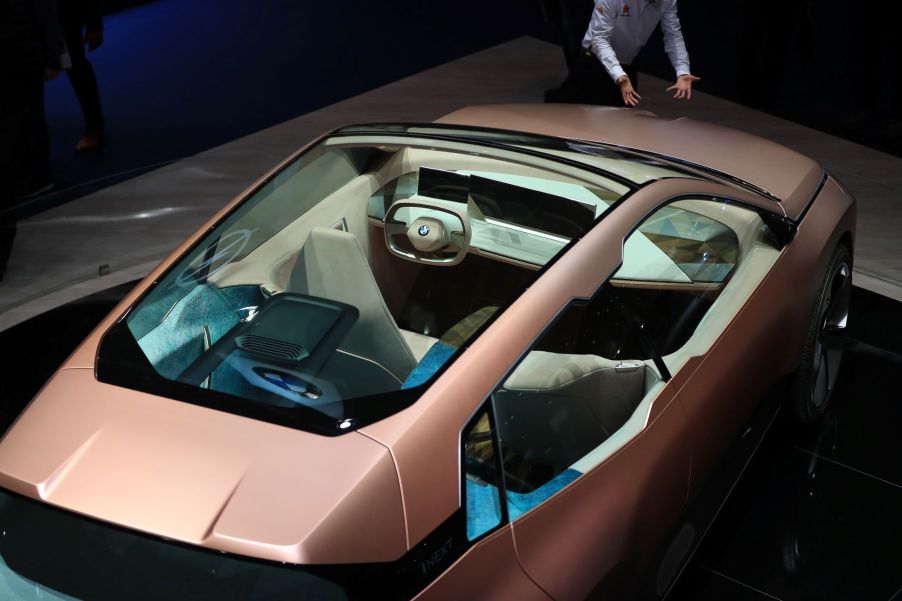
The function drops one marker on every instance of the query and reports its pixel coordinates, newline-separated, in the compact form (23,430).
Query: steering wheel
(427,232)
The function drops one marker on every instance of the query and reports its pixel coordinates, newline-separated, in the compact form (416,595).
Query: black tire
(822,352)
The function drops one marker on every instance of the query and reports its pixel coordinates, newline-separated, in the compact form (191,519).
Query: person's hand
(51,73)
(93,39)
(630,96)
(683,86)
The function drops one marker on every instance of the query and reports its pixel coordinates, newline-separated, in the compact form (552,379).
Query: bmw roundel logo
(424,230)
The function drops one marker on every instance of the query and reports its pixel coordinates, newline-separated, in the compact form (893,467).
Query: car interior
(405,251)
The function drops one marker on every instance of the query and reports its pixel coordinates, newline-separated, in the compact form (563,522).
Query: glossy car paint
(612,517)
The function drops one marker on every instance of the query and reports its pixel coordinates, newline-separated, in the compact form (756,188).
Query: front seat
(555,408)
(332,265)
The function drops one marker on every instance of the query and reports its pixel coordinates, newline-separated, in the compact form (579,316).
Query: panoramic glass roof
(317,302)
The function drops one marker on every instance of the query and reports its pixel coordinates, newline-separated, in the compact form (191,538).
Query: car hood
(785,173)
(205,477)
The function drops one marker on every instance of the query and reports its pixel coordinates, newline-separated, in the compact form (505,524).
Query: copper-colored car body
(231,483)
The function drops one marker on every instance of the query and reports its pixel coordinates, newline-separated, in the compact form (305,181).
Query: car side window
(482,483)
(688,269)
(578,393)
(585,388)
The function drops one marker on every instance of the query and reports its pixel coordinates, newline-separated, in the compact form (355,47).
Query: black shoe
(90,141)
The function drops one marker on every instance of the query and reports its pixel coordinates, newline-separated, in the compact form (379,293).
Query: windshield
(344,284)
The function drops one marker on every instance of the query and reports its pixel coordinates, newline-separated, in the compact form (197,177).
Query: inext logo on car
(436,557)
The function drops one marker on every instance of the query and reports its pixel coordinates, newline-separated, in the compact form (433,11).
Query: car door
(596,454)
(730,249)
(575,533)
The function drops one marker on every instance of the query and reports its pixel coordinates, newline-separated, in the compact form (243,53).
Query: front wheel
(824,342)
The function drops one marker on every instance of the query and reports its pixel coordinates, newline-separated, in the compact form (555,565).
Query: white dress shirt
(620,28)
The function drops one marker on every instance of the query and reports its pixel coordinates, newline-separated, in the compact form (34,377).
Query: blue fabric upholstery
(520,503)
(177,340)
(431,362)
(483,509)
(483,503)
(155,309)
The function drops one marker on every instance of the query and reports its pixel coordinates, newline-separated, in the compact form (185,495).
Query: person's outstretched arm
(601,30)
(676,51)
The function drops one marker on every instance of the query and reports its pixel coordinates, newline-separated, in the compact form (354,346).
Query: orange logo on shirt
(626,9)
(600,10)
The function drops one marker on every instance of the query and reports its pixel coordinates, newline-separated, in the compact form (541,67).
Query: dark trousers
(572,21)
(594,84)
(82,77)
(17,90)
(26,140)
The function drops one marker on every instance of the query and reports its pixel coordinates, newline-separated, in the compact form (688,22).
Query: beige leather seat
(556,408)
(332,265)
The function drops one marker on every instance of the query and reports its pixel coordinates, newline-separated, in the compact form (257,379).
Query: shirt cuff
(683,70)
(616,72)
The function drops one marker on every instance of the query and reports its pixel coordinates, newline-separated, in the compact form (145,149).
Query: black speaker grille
(271,348)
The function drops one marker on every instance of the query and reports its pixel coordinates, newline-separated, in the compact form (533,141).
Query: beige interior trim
(693,287)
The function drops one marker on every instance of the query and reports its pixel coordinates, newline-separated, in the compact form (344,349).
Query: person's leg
(34,142)
(894,67)
(82,78)
(575,17)
(594,84)
(12,118)
(12,111)
(551,10)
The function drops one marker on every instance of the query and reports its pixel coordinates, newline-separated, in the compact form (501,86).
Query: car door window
(578,394)
(585,388)
(688,269)
(482,483)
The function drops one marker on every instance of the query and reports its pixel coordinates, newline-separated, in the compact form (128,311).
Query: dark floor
(816,516)
(818,513)
(780,61)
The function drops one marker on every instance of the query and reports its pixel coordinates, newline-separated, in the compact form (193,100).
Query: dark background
(181,76)
(828,64)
